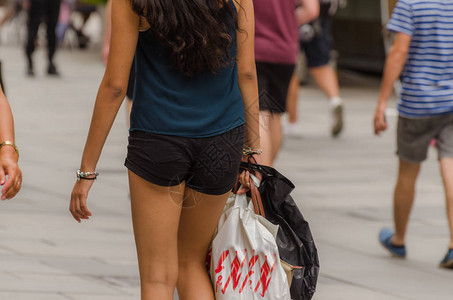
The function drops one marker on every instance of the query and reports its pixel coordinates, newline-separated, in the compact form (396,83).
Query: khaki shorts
(415,135)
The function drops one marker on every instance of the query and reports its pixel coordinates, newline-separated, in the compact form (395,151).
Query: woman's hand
(78,205)
(8,166)
(244,177)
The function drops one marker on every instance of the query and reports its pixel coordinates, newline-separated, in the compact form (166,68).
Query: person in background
(39,10)
(317,47)
(86,11)
(425,107)
(9,153)
(8,7)
(276,48)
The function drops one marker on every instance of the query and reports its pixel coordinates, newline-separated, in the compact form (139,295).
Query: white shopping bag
(245,262)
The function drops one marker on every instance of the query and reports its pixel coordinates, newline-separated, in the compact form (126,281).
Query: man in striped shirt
(422,57)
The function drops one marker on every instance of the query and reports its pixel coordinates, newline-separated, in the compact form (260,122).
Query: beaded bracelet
(248,152)
(254,148)
(84,175)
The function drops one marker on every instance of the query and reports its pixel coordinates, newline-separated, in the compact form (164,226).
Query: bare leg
(326,79)
(199,219)
(291,102)
(446,167)
(155,215)
(271,136)
(404,198)
(265,138)
(276,134)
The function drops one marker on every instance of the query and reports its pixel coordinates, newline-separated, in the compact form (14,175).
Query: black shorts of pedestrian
(273,84)
(207,165)
(415,135)
(318,49)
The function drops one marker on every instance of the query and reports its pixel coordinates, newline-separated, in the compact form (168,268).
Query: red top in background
(276,31)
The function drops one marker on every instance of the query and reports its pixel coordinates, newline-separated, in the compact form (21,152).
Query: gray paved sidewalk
(344,189)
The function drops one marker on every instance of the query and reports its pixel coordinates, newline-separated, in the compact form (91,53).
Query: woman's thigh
(155,214)
(199,218)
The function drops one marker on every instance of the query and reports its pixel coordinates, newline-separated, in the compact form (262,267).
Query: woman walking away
(9,153)
(189,129)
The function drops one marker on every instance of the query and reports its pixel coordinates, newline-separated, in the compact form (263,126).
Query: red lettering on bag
(236,266)
(265,272)
(222,258)
(218,283)
(237,269)
(219,268)
(252,262)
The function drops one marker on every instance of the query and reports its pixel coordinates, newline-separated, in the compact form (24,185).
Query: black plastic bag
(294,238)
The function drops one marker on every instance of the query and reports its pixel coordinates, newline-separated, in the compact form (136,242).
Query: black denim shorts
(208,165)
(273,85)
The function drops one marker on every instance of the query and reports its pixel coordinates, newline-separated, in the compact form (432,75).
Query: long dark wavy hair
(198,33)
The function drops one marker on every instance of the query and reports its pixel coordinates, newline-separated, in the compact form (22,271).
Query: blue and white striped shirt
(427,78)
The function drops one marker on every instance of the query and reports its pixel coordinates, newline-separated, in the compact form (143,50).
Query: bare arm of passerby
(8,154)
(107,32)
(6,17)
(247,78)
(307,11)
(394,65)
(125,24)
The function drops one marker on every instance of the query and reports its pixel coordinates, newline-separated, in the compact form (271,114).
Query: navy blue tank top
(168,102)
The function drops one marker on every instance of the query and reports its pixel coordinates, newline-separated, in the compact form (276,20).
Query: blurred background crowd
(356,29)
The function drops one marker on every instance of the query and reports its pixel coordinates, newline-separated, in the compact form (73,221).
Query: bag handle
(254,192)
(256,199)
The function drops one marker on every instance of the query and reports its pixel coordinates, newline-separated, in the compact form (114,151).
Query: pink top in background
(276,31)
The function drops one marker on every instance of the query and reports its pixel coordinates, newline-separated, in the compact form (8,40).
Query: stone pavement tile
(100,297)
(72,248)
(4,251)
(19,295)
(4,276)
(132,294)
(28,265)
(356,230)
(340,290)
(61,228)
(44,283)
(94,267)
(398,277)
(350,252)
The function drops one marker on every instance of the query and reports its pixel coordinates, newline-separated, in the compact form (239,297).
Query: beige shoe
(337,124)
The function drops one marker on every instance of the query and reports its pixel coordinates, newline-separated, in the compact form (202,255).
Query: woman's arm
(247,78)
(8,155)
(111,94)
(248,82)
